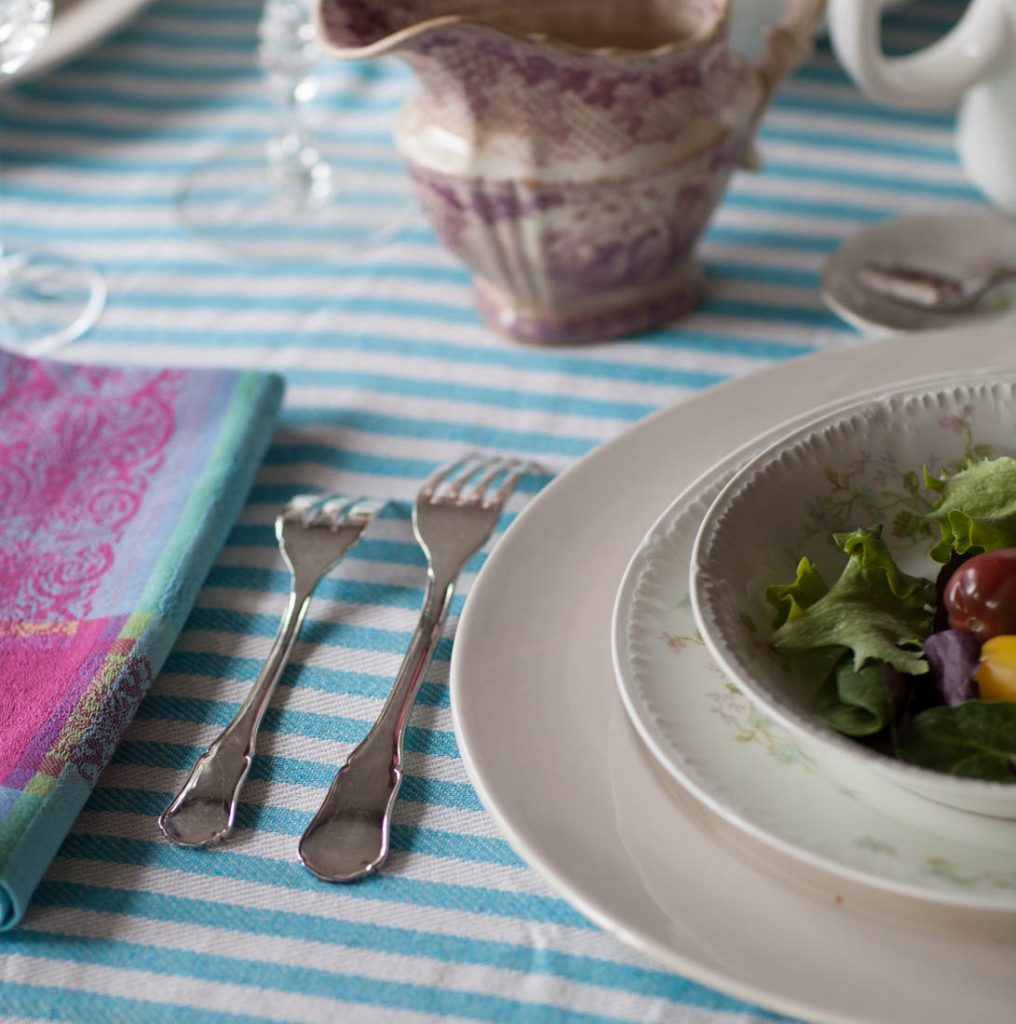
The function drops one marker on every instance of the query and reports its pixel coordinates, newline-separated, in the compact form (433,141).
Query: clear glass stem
(286,52)
(299,197)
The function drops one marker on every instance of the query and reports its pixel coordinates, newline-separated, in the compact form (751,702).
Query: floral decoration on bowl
(870,487)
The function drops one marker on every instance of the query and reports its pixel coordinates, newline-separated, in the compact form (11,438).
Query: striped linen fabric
(389,372)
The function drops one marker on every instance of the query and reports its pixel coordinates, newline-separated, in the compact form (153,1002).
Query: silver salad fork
(453,516)
(314,533)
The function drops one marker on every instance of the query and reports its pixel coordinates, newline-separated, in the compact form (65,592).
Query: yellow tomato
(996,675)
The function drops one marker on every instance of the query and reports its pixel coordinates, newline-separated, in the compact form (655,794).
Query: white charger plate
(798,797)
(548,746)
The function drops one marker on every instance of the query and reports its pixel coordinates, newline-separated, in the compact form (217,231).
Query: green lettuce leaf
(790,599)
(977,508)
(854,701)
(976,739)
(874,609)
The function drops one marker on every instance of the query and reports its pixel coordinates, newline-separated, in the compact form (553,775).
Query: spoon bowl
(927,289)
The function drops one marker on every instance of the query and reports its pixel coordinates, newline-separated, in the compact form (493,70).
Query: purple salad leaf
(954,655)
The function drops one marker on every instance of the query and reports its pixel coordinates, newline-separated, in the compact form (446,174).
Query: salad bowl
(751,772)
(870,477)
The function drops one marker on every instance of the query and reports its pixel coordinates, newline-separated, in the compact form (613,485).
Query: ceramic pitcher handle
(789,42)
(936,76)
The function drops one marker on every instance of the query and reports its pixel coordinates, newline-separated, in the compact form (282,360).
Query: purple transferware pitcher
(571,152)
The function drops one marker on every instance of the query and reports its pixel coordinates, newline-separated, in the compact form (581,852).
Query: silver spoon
(927,289)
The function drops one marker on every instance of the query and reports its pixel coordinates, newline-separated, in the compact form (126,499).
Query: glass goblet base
(46,300)
(244,205)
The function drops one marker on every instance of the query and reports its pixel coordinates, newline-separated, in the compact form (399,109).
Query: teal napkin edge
(251,435)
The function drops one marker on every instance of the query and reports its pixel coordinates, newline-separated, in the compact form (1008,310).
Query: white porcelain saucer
(962,243)
(78,25)
(800,798)
(550,750)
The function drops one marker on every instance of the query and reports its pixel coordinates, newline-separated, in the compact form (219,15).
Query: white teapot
(973,65)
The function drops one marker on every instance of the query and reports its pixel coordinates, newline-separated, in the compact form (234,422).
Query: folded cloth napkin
(117,489)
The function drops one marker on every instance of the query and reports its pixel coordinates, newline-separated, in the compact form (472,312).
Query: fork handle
(205,808)
(348,838)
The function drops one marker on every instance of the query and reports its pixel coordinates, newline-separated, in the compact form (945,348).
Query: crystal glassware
(46,299)
(299,195)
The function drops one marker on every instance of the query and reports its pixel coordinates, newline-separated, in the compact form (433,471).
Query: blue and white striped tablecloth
(389,373)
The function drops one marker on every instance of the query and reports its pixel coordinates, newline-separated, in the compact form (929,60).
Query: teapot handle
(936,76)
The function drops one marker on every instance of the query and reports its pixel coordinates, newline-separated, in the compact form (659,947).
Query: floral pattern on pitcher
(593,108)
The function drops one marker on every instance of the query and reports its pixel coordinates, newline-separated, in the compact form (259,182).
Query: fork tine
(497,465)
(454,489)
(517,469)
(337,511)
(442,473)
(333,507)
(330,509)
(334,502)
(494,468)
(365,510)
(324,507)
(503,493)
(299,507)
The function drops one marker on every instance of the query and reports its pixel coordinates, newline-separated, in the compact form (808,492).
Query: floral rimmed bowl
(858,467)
(753,773)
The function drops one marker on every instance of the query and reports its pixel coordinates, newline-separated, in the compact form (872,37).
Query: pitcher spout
(359,29)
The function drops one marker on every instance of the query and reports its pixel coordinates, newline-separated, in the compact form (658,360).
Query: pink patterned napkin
(117,489)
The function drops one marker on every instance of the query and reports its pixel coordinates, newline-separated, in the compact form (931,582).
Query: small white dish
(791,794)
(844,470)
(78,25)
(961,243)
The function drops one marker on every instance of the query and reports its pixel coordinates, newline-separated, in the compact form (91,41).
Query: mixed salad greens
(922,670)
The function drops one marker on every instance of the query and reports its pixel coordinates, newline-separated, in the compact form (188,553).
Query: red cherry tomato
(981,594)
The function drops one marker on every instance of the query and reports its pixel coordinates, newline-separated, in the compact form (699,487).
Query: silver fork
(348,838)
(314,533)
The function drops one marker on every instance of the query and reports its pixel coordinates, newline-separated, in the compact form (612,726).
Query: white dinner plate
(78,25)
(547,743)
(798,797)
